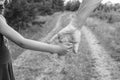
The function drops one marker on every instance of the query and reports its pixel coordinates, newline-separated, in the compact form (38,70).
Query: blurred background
(29,17)
(34,19)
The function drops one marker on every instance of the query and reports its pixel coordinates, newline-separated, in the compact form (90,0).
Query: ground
(97,59)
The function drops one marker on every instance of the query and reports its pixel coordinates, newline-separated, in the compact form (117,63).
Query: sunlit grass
(108,34)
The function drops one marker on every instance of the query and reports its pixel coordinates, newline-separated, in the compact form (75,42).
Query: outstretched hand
(61,50)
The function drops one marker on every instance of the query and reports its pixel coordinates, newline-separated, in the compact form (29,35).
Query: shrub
(21,12)
(72,5)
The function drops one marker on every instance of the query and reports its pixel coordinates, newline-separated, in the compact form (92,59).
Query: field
(98,57)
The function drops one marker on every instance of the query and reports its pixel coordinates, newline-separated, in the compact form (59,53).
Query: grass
(108,34)
(71,66)
(111,17)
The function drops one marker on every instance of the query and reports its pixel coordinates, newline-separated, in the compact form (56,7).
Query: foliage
(21,12)
(72,5)
(58,5)
(111,13)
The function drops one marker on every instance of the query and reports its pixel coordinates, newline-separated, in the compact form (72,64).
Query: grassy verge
(109,36)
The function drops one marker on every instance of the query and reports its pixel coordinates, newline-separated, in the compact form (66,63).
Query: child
(6,71)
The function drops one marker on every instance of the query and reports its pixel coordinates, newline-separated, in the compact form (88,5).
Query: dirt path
(104,67)
(92,62)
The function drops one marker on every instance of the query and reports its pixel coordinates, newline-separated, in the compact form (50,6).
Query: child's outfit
(6,70)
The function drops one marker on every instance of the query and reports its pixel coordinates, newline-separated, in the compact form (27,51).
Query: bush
(18,13)
(72,5)
(21,12)
(110,13)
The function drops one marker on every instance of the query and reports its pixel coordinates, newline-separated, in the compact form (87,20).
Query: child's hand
(62,50)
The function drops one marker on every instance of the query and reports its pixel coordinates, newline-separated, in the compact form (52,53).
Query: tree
(20,12)
(58,5)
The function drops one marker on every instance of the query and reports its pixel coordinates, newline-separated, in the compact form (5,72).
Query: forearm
(53,32)
(38,46)
(85,10)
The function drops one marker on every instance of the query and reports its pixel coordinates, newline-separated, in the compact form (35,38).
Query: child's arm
(85,10)
(14,36)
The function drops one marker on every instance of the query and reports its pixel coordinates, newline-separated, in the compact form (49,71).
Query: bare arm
(54,31)
(85,10)
(14,36)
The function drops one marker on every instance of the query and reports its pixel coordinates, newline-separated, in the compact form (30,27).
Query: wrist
(53,48)
(56,49)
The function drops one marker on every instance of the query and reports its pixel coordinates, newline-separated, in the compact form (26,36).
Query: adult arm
(85,10)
